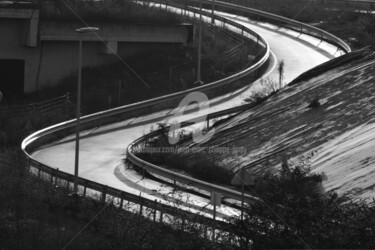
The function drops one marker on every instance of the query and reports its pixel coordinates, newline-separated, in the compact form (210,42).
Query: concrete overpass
(36,53)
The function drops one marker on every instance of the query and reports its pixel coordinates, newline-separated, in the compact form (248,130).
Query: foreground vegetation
(294,213)
(37,215)
(297,214)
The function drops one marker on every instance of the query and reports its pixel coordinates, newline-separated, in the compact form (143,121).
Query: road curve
(102,149)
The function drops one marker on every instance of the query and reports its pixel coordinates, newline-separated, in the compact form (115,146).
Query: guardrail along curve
(198,183)
(226,192)
(63,129)
(105,117)
(302,27)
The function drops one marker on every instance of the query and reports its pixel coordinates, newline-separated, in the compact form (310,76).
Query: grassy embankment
(356,28)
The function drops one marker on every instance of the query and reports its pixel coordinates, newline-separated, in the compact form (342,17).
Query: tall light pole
(76,159)
(199,45)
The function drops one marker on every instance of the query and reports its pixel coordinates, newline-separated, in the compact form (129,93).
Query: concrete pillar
(32,32)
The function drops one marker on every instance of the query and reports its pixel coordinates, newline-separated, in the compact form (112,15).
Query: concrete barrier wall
(150,33)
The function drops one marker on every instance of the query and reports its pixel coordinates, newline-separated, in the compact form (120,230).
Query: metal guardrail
(204,185)
(226,192)
(59,130)
(43,107)
(125,111)
(143,206)
(301,27)
(367,4)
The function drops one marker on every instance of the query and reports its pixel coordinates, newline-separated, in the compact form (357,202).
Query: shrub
(268,88)
(315,103)
(295,214)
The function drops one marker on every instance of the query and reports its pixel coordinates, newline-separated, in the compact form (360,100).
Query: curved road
(102,150)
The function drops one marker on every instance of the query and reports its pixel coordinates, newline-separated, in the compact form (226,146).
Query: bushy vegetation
(295,213)
(200,164)
(315,103)
(356,28)
(267,89)
(37,215)
(15,128)
(108,11)
(204,168)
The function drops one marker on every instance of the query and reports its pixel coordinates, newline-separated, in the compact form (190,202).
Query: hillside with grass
(324,117)
(106,11)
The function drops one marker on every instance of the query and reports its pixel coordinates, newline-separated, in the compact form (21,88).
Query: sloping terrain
(327,115)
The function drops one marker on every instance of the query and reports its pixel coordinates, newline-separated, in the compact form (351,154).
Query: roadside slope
(338,136)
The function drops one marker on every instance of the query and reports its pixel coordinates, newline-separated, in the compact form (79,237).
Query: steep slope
(338,136)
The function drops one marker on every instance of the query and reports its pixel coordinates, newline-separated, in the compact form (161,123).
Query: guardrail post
(183,225)
(155,210)
(140,209)
(68,185)
(38,172)
(161,216)
(84,190)
(57,171)
(51,177)
(122,200)
(104,194)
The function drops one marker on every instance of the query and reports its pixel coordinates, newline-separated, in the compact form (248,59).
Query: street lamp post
(76,159)
(199,45)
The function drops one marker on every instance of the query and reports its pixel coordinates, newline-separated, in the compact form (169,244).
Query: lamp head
(87,29)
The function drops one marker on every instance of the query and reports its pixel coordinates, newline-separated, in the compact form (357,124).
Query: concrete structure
(35,54)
